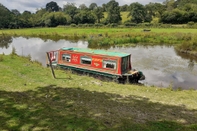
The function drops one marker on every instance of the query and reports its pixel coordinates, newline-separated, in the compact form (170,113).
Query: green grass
(125,17)
(89,31)
(31,99)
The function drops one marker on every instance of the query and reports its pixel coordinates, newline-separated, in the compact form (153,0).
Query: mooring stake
(50,64)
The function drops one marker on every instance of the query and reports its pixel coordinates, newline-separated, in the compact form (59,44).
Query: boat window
(86,60)
(109,64)
(66,57)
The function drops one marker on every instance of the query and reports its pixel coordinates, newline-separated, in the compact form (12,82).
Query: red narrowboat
(115,65)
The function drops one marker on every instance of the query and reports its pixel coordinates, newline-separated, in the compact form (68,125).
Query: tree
(15,12)
(15,18)
(124,7)
(24,19)
(137,12)
(5,17)
(104,6)
(193,16)
(70,9)
(175,16)
(54,19)
(170,4)
(92,6)
(52,7)
(83,7)
(84,17)
(99,14)
(39,17)
(113,11)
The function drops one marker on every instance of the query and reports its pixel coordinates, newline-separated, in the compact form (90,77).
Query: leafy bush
(73,25)
(114,25)
(129,24)
(191,23)
(98,25)
(79,25)
(13,53)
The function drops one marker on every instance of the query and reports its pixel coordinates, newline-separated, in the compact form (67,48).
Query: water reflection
(191,65)
(162,65)
(5,41)
(37,48)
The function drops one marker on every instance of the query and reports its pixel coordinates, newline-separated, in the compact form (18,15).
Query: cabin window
(66,57)
(109,64)
(86,60)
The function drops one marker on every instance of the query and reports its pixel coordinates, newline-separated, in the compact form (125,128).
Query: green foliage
(113,10)
(98,25)
(98,12)
(54,19)
(175,16)
(84,17)
(138,13)
(93,6)
(13,51)
(191,23)
(70,9)
(5,17)
(73,25)
(170,12)
(52,7)
(129,24)
(113,25)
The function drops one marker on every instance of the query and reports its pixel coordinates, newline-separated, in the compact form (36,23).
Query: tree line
(169,12)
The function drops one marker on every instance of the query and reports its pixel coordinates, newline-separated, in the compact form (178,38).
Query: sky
(34,5)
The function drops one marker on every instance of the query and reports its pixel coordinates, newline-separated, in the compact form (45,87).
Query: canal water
(162,65)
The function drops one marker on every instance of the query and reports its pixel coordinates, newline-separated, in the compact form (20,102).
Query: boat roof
(99,52)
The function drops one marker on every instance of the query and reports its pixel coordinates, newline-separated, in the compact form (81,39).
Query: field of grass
(91,31)
(31,99)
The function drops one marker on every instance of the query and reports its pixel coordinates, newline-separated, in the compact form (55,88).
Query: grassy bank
(31,99)
(184,39)
(64,31)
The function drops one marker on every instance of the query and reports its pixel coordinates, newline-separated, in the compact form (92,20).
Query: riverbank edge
(113,37)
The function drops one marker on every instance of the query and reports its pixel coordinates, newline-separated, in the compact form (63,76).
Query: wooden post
(50,64)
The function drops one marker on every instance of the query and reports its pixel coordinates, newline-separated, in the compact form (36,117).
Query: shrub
(129,24)
(73,25)
(114,25)
(98,25)
(191,23)
(90,25)
(79,25)
(13,53)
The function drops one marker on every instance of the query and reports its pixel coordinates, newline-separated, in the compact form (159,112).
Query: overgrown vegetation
(31,99)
